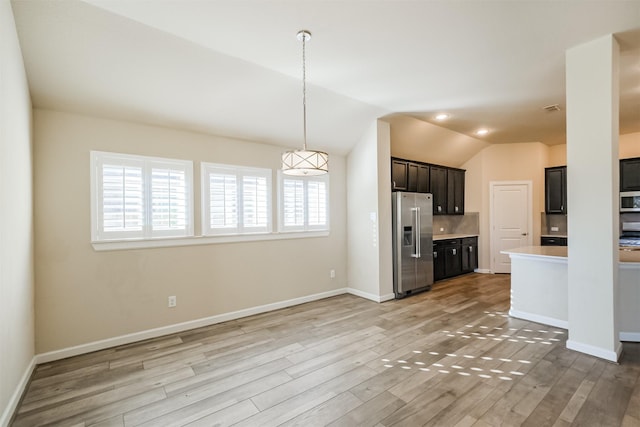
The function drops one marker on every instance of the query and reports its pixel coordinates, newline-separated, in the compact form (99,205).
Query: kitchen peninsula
(539,288)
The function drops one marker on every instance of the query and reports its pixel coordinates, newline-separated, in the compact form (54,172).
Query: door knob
(524,234)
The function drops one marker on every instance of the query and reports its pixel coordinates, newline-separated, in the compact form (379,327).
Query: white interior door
(511,221)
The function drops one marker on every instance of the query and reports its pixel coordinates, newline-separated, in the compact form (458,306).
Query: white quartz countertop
(560,252)
(540,251)
(452,236)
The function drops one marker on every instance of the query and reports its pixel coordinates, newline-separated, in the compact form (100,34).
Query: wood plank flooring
(448,357)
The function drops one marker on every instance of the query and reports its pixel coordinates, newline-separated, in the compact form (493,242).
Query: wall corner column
(593,183)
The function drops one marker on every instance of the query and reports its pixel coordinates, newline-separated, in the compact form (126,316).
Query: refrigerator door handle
(416,234)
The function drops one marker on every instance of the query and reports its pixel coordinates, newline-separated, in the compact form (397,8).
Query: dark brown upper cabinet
(398,175)
(630,174)
(455,191)
(555,190)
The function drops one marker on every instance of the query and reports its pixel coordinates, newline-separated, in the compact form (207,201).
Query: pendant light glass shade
(304,162)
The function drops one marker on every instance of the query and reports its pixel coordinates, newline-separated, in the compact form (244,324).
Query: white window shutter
(303,203)
(139,197)
(236,199)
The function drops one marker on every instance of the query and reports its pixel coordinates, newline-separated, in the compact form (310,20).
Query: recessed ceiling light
(482,132)
(442,116)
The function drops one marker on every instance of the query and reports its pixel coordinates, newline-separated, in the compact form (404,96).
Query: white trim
(179,327)
(492,245)
(11,407)
(630,336)
(387,297)
(545,320)
(370,296)
(483,271)
(203,240)
(602,353)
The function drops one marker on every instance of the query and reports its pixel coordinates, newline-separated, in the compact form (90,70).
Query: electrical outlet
(332,274)
(554,228)
(441,229)
(172,301)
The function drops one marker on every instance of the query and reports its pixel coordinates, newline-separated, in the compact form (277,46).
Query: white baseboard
(8,412)
(370,296)
(179,327)
(483,271)
(387,297)
(539,319)
(630,336)
(602,353)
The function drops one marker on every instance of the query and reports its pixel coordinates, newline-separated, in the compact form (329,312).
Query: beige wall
(421,141)
(362,205)
(369,211)
(629,147)
(16,219)
(504,162)
(83,295)
(385,244)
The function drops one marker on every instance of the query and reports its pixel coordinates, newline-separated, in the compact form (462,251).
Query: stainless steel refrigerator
(412,243)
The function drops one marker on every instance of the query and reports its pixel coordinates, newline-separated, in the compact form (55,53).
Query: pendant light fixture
(305,162)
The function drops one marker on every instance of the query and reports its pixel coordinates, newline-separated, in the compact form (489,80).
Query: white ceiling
(233,68)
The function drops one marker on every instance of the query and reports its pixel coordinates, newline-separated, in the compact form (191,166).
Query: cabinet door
(438,262)
(398,175)
(452,260)
(438,184)
(455,192)
(469,254)
(630,174)
(412,177)
(555,183)
(423,179)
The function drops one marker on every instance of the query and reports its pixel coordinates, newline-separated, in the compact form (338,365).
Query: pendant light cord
(304,90)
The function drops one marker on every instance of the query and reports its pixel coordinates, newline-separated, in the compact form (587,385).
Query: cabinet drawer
(553,241)
(447,242)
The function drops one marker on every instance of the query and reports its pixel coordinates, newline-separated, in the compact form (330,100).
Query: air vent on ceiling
(551,108)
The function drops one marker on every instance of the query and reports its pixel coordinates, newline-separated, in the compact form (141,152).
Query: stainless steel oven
(630,201)
(630,236)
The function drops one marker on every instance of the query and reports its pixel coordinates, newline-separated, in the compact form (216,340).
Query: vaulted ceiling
(233,67)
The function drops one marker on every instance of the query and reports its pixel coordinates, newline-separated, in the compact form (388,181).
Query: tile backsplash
(469,223)
(560,221)
(553,225)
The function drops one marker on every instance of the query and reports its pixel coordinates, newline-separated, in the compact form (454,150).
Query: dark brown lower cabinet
(438,262)
(452,257)
(469,254)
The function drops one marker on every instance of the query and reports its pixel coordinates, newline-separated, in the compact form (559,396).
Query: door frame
(492,234)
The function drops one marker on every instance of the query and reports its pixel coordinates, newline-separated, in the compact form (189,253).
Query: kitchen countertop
(554,235)
(452,236)
(560,252)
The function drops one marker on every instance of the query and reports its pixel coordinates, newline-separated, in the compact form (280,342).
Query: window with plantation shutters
(303,203)
(139,197)
(235,199)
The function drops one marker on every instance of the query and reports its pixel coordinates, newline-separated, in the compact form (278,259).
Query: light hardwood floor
(448,357)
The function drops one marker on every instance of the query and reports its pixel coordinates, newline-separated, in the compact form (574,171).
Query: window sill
(115,245)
